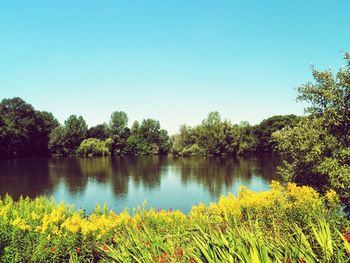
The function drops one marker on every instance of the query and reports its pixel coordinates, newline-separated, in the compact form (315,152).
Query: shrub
(94,147)
(194,149)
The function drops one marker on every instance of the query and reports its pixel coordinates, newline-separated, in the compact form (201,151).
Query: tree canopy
(316,151)
(119,121)
(267,127)
(100,131)
(23,130)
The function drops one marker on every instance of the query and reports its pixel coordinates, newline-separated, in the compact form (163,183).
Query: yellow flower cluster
(51,221)
(292,201)
(20,223)
(332,198)
(4,210)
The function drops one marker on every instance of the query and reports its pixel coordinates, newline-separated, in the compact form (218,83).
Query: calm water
(165,182)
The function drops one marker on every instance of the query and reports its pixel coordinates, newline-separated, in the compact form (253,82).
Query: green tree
(120,141)
(100,131)
(185,138)
(147,138)
(150,130)
(135,127)
(135,145)
(118,123)
(57,141)
(134,140)
(164,142)
(230,144)
(18,120)
(316,151)
(303,148)
(23,130)
(210,133)
(214,137)
(119,131)
(329,98)
(45,122)
(75,132)
(267,127)
(149,134)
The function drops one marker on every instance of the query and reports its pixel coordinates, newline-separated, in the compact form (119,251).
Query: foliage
(24,131)
(194,149)
(210,133)
(247,142)
(329,98)
(100,131)
(57,141)
(119,131)
(316,151)
(147,138)
(164,144)
(249,244)
(150,130)
(214,137)
(94,147)
(76,132)
(184,139)
(303,148)
(272,226)
(66,139)
(119,121)
(120,141)
(266,128)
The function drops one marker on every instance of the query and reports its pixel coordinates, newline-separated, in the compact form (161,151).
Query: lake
(166,182)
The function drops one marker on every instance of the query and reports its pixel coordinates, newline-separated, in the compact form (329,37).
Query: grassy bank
(284,224)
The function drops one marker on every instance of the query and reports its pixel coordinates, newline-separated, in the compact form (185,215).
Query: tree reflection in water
(125,178)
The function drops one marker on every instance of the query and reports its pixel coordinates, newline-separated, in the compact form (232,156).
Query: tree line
(26,132)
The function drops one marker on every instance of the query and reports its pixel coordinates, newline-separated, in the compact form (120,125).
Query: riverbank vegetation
(215,136)
(284,224)
(26,132)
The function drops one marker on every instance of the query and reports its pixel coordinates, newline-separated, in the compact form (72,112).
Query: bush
(94,147)
(193,150)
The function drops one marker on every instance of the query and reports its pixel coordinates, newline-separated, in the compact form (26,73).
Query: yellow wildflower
(21,224)
(73,224)
(332,198)
(34,216)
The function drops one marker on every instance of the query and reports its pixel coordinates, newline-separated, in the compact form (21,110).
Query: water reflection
(217,174)
(16,177)
(127,181)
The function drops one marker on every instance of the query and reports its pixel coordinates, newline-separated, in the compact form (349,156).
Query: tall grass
(284,224)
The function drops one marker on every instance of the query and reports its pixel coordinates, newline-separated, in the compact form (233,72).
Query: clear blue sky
(170,60)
